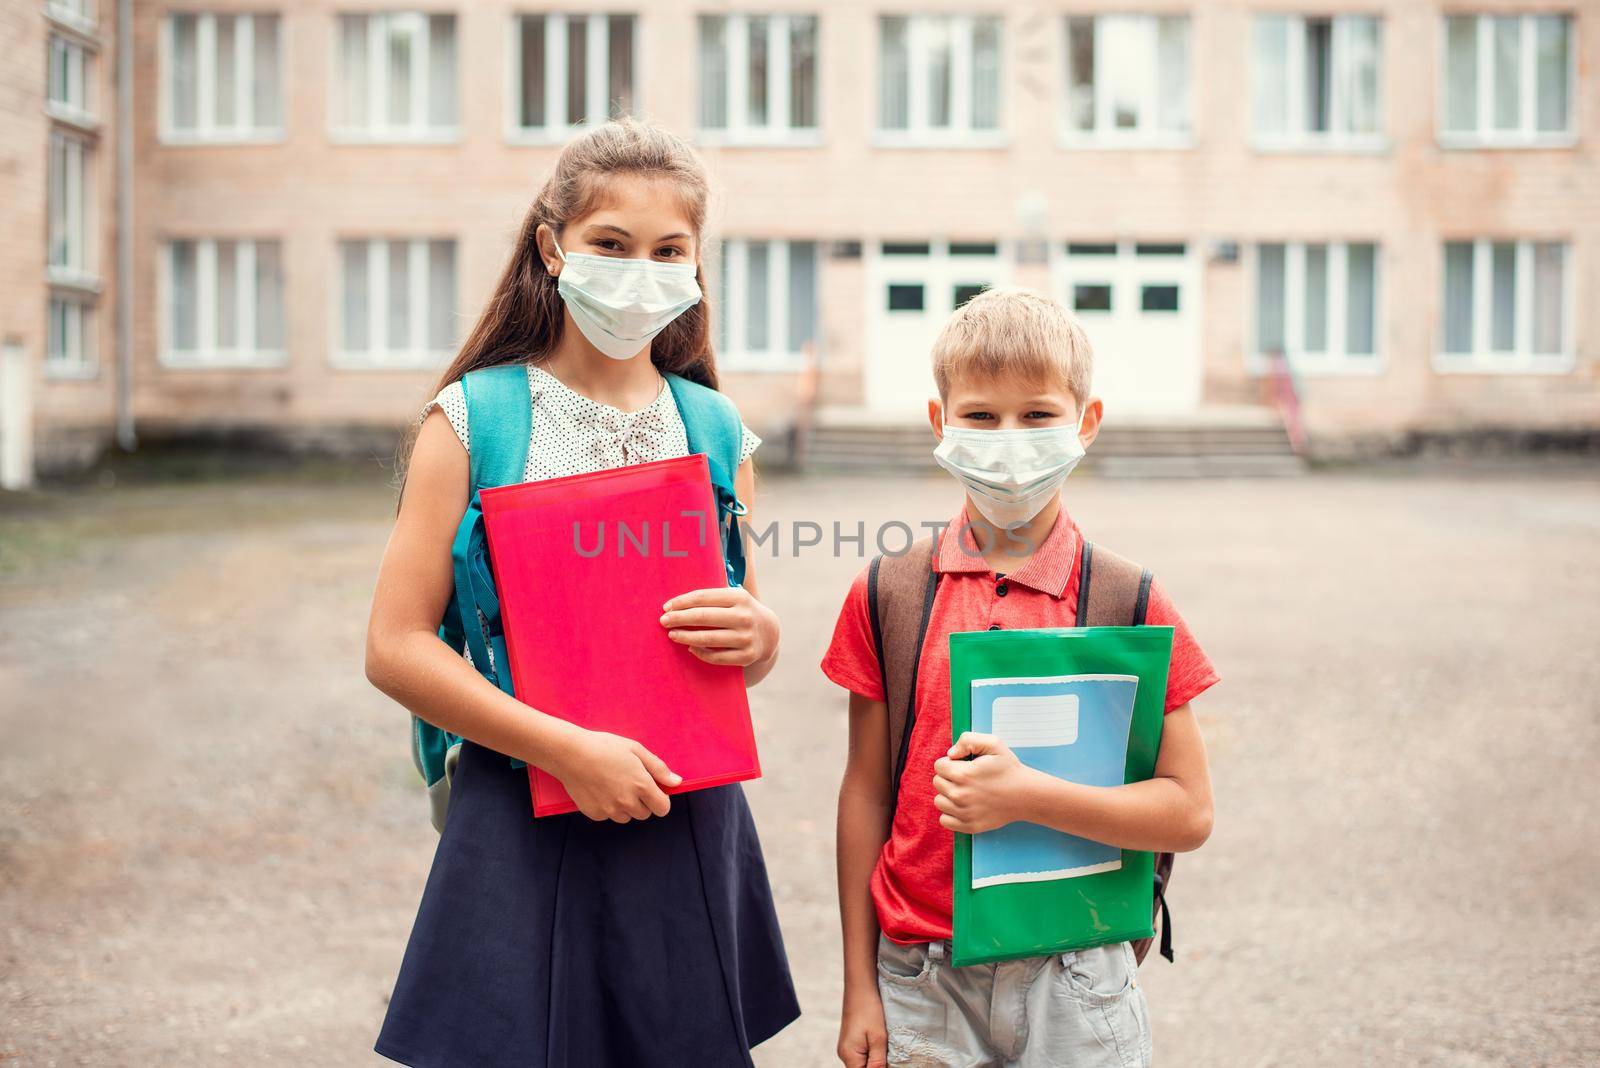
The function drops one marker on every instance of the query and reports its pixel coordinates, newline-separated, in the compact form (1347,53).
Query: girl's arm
(728,624)
(609,777)
(1170,813)
(864,817)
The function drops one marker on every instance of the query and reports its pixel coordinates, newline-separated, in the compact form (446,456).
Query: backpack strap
(900,593)
(713,427)
(1115,592)
(499,424)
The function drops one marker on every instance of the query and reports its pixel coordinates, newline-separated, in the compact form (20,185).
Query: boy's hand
(982,793)
(863,1035)
(725,625)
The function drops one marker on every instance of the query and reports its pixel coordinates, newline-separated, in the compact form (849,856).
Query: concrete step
(1230,443)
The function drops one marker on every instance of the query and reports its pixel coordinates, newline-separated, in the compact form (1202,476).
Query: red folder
(583,565)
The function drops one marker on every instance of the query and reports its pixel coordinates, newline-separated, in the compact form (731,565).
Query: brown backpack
(900,592)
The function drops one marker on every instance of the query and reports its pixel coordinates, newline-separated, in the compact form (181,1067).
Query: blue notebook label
(1074,727)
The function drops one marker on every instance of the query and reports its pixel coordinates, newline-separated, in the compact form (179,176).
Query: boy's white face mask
(620,305)
(1010,475)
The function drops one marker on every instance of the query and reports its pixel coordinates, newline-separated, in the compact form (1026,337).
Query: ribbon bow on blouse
(630,437)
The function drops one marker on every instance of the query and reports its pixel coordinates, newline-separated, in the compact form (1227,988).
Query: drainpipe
(125,434)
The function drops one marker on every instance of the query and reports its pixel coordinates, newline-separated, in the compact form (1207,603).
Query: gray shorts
(1072,1010)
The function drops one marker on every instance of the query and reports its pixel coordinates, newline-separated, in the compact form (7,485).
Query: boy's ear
(1093,412)
(936,417)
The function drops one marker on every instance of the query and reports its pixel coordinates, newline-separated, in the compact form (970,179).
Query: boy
(1013,417)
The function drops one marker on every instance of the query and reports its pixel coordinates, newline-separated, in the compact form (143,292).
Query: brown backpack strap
(1115,592)
(900,592)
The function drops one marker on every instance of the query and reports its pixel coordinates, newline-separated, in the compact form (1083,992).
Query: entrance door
(913,287)
(1139,303)
(16,461)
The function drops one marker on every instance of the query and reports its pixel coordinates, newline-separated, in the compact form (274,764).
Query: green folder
(1084,704)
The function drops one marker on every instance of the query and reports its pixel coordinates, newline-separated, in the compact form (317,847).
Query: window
(965,291)
(1128,79)
(1158,298)
(1507,306)
(905,296)
(69,255)
(1508,80)
(223,303)
(939,78)
(1318,305)
(571,71)
(397,77)
(1095,297)
(70,344)
(758,77)
(76,13)
(222,78)
(1318,81)
(398,300)
(768,315)
(71,81)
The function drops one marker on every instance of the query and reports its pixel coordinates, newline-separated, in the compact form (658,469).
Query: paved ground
(212,843)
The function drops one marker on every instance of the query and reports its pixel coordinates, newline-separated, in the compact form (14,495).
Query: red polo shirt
(911,884)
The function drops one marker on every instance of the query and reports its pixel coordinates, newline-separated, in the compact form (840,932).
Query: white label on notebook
(1027,722)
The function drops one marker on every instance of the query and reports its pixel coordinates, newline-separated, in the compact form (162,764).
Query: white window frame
(1105,133)
(418,279)
(777,132)
(1527,135)
(82,360)
(81,269)
(79,15)
(733,289)
(1334,360)
(206,131)
(1483,359)
(596,81)
(1296,138)
(918,133)
(207,354)
(82,61)
(418,131)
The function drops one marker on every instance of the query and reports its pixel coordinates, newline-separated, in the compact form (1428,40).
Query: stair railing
(1285,397)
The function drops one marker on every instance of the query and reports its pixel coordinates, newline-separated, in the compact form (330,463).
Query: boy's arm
(1169,813)
(864,818)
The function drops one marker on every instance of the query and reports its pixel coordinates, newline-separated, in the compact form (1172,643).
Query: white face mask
(1010,475)
(620,305)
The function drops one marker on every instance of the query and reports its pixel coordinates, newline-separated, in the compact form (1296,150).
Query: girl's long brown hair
(522,320)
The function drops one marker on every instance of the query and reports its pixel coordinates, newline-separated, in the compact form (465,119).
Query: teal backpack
(499,423)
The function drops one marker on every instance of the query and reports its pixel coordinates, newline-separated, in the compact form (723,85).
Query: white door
(913,286)
(1139,304)
(16,430)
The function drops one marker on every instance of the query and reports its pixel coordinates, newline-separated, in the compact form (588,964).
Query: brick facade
(307,191)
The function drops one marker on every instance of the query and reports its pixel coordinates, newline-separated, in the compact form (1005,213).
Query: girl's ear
(546,240)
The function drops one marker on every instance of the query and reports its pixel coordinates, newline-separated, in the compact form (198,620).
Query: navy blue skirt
(557,942)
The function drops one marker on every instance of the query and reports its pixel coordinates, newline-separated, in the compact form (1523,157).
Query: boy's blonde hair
(1012,332)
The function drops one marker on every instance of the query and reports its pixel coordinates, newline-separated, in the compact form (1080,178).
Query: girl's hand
(863,1035)
(613,778)
(722,626)
(981,794)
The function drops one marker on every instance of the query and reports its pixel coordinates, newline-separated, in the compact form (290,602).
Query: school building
(277,217)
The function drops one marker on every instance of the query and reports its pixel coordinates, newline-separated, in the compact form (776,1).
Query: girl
(640,930)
